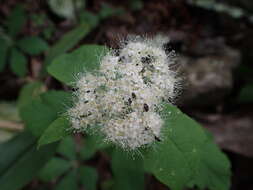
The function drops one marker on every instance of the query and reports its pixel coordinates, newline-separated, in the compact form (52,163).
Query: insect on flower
(123,96)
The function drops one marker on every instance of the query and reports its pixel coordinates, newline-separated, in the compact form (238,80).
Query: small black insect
(145,107)
(85,115)
(116,52)
(133,95)
(122,58)
(146,60)
(130,101)
(157,139)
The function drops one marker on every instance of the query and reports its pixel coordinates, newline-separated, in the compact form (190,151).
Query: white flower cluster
(122,98)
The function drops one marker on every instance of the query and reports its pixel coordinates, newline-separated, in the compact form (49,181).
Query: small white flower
(123,96)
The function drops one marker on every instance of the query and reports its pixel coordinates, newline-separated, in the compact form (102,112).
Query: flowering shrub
(124,97)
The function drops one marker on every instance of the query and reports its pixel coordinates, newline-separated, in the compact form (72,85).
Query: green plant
(42,22)
(70,166)
(87,22)
(13,48)
(185,156)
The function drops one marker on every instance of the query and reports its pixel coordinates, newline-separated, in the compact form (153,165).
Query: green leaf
(108,11)
(69,182)
(177,159)
(92,143)
(89,18)
(246,94)
(55,132)
(214,169)
(59,101)
(13,149)
(32,45)
(67,41)
(42,111)
(88,177)
(67,67)
(53,169)
(37,116)
(25,165)
(128,171)
(29,92)
(3,53)
(16,20)
(38,19)
(18,63)
(67,148)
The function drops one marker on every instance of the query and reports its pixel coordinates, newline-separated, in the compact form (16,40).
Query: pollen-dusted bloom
(122,98)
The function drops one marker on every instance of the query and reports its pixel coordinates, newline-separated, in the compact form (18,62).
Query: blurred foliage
(84,58)
(70,166)
(14,49)
(20,161)
(66,8)
(42,22)
(223,7)
(246,94)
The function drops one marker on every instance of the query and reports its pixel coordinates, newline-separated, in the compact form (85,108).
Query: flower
(123,96)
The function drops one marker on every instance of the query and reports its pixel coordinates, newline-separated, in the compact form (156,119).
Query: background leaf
(53,169)
(13,149)
(89,18)
(69,182)
(29,92)
(88,177)
(3,53)
(32,45)
(66,67)
(41,112)
(37,116)
(56,131)
(128,171)
(16,20)
(108,11)
(29,160)
(67,41)
(59,101)
(18,63)
(92,143)
(67,148)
